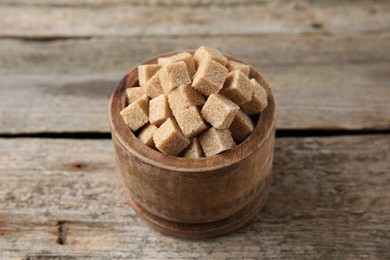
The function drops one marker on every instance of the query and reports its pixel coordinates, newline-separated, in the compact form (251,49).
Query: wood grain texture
(307,97)
(329,200)
(45,21)
(121,53)
(84,3)
(320,81)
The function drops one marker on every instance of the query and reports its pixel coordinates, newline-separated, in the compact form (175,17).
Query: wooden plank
(329,198)
(42,21)
(319,81)
(121,53)
(84,3)
(94,3)
(308,97)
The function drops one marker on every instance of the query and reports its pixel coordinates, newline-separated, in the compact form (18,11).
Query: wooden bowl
(194,198)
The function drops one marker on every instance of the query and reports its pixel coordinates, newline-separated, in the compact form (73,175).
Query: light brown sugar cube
(215,141)
(204,53)
(146,72)
(135,93)
(183,56)
(190,122)
(168,138)
(259,99)
(173,75)
(237,87)
(153,86)
(159,110)
(193,150)
(183,97)
(135,115)
(234,65)
(146,135)
(241,126)
(219,111)
(210,77)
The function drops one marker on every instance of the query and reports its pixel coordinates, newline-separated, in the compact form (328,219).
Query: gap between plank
(53,38)
(330,132)
(279,134)
(62,229)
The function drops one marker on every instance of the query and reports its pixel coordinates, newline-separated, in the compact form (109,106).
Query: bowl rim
(127,139)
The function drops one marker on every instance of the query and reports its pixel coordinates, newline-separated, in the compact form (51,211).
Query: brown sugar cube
(234,65)
(173,75)
(190,122)
(135,93)
(159,110)
(153,86)
(135,115)
(204,53)
(146,72)
(146,135)
(168,138)
(183,97)
(215,141)
(237,87)
(241,126)
(210,77)
(193,150)
(183,56)
(259,99)
(219,111)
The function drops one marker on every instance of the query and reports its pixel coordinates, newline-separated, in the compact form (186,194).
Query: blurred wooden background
(328,63)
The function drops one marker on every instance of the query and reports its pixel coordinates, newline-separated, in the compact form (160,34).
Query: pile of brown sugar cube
(193,105)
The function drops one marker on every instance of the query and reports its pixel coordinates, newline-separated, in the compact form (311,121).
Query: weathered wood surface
(41,21)
(320,81)
(329,200)
(81,56)
(328,64)
(93,3)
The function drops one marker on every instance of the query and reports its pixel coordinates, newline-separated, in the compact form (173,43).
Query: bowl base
(205,230)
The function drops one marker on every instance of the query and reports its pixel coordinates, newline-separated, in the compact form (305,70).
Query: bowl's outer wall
(193,197)
(189,195)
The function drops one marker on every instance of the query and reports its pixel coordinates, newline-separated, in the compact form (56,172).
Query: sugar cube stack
(193,106)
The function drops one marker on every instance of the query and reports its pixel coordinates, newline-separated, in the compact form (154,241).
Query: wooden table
(328,63)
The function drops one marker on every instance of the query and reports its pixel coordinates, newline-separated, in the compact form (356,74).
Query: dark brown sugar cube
(168,138)
(146,72)
(159,110)
(173,75)
(193,150)
(219,111)
(183,97)
(183,56)
(135,93)
(259,99)
(204,53)
(210,77)
(135,115)
(146,135)
(237,87)
(153,86)
(190,121)
(234,65)
(215,141)
(241,126)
